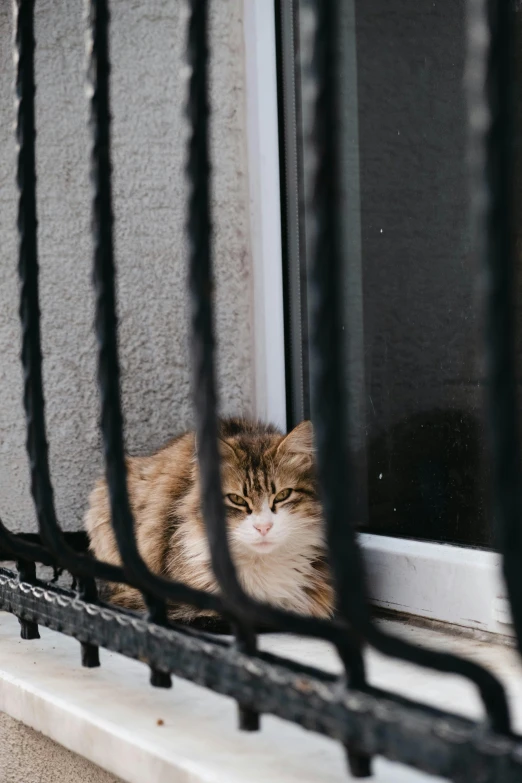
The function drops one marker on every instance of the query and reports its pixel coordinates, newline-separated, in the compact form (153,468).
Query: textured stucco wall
(28,756)
(148,39)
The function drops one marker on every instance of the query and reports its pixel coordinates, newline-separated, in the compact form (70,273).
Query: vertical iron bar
(27,573)
(106,319)
(37,447)
(199,232)
(87,591)
(28,257)
(490,87)
(246,642)
(326,382)
(135,572)
(27,222)
(329,398)
(328,394)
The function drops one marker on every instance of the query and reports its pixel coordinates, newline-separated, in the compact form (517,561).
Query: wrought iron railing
(366,720)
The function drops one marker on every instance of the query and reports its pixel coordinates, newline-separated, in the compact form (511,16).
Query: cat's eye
(237,500)
(283,495)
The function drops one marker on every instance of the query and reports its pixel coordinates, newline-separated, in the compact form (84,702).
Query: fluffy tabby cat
(273,514)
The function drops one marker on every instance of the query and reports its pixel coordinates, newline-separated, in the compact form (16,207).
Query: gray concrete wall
(148,93)
(28,756)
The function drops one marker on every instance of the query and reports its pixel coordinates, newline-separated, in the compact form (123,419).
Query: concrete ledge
(114,719)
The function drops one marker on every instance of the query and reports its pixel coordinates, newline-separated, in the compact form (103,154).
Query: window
(412,309)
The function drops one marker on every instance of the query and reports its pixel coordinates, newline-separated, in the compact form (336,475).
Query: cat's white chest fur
(277,579)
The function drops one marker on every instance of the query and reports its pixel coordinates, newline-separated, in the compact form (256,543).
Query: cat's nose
(263,527)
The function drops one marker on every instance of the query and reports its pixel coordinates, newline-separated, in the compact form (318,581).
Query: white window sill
(110,715)
(452,584)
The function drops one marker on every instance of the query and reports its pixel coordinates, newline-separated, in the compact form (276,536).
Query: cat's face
(270,493)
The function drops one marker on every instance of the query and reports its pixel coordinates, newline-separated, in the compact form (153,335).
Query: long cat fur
(285,567)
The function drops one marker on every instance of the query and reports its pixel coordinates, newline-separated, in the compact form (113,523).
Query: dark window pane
(421,314)
(411,297)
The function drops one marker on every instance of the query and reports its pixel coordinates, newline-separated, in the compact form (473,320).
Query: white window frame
(265,209)
(452,584)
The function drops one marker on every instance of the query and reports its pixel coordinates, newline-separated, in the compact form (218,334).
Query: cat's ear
(299,441)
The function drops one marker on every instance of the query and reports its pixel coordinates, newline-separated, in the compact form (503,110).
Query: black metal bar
(374,722)
(88,592)
(199,231)
(41,487)
(13,547)
(78,540)
(245,610)
(491,96)
(27,573)
(328,393)
(156,589)
(26,181)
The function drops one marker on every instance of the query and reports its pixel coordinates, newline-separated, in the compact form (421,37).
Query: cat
(274,519)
